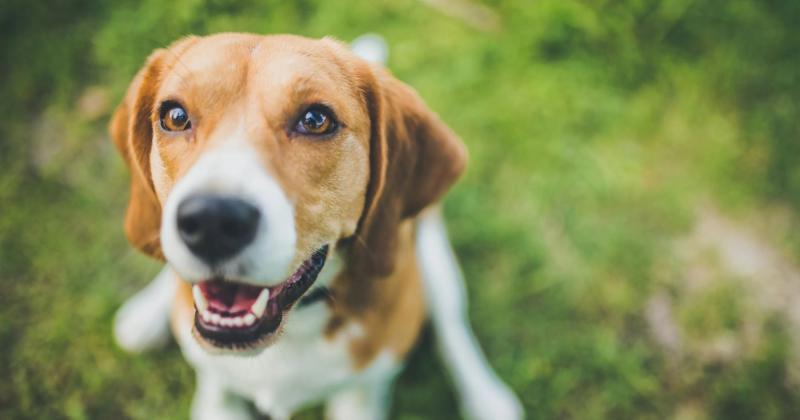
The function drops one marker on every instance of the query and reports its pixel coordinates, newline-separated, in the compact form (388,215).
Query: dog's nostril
(233,228)
(238,220)
(216,227)
(188,224)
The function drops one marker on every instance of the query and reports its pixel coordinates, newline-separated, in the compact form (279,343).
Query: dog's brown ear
(414,159)
(132,132)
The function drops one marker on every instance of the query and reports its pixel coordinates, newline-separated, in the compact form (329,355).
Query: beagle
(290,185)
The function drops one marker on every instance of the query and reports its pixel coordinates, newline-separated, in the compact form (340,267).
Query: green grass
(595,131)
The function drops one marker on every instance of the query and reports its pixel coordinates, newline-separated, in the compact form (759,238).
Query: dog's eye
(316,120)
(174,117)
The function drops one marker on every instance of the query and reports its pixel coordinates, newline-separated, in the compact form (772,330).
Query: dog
(291,187)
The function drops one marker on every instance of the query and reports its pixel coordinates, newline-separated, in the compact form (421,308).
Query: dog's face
(254,157)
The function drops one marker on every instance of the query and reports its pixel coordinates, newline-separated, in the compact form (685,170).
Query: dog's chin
(241,318)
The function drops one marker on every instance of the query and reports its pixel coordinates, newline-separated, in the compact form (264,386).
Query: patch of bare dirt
(721,249)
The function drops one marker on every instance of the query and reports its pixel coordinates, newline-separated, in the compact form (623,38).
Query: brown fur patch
(131,132)
(183,309)
(391,310)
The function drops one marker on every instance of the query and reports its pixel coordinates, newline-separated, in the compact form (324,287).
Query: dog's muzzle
(233,315)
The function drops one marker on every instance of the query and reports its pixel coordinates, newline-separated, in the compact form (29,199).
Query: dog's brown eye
(174,117)
(316,120)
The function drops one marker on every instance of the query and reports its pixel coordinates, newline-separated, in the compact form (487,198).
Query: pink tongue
(232,298)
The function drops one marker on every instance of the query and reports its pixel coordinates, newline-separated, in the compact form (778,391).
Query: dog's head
(253,157)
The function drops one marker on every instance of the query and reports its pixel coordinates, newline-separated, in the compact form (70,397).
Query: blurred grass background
(628,224)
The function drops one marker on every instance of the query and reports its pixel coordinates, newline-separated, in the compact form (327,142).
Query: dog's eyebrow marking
(179,62)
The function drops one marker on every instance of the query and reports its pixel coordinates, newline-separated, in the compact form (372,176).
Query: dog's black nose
(216,227)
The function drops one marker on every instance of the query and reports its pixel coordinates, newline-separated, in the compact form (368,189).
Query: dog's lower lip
(235,315)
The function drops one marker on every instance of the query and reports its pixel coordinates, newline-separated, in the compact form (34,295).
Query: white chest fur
(302,367)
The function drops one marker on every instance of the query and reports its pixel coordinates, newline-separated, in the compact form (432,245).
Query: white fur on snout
(234,170)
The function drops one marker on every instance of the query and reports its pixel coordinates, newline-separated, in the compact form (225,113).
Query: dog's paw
(495,402)
(142,323)
(137,329)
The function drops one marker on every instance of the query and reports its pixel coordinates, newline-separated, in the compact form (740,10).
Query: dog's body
(238,192)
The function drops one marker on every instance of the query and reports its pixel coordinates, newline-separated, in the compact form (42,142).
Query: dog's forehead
(223,76)
(229,61)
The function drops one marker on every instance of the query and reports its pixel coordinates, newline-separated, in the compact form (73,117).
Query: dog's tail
(483,395)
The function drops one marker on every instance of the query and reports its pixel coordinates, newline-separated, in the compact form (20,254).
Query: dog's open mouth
(231,315)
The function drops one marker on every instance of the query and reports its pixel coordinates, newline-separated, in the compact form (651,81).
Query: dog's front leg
(142,323)
(483,395)
(212,401)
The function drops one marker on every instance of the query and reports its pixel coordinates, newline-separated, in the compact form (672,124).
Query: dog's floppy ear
(132,132)
(414,159)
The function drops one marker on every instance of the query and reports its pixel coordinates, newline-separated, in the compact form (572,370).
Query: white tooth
(238,321)
(215,318)
(206,316)
(225,322)
(261,303)
(199,300)
(249,319)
